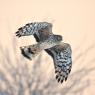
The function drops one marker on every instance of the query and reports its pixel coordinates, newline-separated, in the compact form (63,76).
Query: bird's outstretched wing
(61,55)
(31,51)
(40,30)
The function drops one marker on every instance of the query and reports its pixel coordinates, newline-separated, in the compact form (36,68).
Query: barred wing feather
(61,55)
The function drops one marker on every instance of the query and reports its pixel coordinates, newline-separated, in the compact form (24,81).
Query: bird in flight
(49,42)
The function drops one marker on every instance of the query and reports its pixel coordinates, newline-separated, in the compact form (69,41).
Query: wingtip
(17,34)
(24,54)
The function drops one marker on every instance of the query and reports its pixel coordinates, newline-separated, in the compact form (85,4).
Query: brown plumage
(51,43)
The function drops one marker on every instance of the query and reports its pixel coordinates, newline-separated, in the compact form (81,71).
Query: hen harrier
(51,43)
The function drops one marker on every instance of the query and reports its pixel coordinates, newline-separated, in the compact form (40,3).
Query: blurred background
(74,20)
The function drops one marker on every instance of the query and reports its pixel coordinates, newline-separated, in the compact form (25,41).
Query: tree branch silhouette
(17,79)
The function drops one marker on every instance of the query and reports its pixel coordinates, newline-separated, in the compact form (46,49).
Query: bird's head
(58,37)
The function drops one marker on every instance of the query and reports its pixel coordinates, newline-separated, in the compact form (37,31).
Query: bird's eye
(59,38)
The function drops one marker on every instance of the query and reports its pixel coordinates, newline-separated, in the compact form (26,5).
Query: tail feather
(30,51)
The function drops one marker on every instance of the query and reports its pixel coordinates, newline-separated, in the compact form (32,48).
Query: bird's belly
(46,45)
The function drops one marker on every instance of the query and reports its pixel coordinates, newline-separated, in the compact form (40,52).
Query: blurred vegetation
(17,79)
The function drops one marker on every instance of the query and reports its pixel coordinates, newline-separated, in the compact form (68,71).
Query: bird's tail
(30,51)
